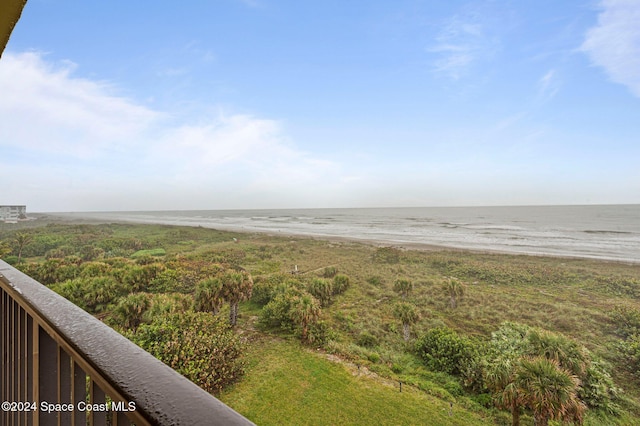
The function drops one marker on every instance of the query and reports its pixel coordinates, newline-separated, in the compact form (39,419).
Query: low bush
(340,284)
(626,321)
(197,345)
(11,259)
(321,289)
(319,333)
(629,353)
(442,349)
(367,340)
(329,272)
(277,313)
(130,310)
(266,286)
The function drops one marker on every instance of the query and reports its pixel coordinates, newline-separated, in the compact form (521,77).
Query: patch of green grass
(286,384)
(157,252)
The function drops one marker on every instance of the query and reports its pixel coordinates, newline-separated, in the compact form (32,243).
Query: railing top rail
(162,396)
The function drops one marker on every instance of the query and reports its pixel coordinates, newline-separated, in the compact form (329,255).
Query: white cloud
(614,43)
(44,108)
(548,86)
(243,148)
(82,142)
(223,139)
(464,40)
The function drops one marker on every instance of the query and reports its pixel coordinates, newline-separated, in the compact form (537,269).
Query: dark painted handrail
(55,353)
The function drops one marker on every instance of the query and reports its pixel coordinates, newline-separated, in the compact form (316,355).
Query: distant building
(12,214)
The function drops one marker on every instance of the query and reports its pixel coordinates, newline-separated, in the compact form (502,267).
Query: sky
(260,104)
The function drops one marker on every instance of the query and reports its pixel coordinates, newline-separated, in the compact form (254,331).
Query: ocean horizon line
(342,208)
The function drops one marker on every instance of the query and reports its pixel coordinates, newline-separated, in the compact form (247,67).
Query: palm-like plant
(567,353)
(22,239)
(131,309)
(499,379)
(305,310)
(408,315)
(455,290)
(322,290)
(101,292)
(209,295)
(548,390)
(237,286)
(403,286)
(169,303)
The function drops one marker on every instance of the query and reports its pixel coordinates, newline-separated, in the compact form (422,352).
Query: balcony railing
(62,366)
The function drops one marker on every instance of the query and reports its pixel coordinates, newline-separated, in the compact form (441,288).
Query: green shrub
(629,353)
(91,253)
(94,269)
(263,291)
(598,390)
(209,295)
(329,272)
(101,292)
(53,271)
(5,248)
(403,286)
(11,259)
(59,253)
(277,313)
(41,244)
(626,321)
(117,262)
(454,388)
(266,286)
(340,283)
(367,340)
(319,333)
(397,368)
(168,303)
(321,289)
(513,342)
(140,277)
(197,345)
(554,346)
(168,280)
(442,349)
(130,310)
(483,399)
(373,357)
(73,290)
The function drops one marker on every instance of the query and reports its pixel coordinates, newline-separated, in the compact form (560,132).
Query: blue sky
(291,104)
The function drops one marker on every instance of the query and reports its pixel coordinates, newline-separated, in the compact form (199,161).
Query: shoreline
(75,218)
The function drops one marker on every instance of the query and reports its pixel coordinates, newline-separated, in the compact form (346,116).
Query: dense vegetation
(278,322)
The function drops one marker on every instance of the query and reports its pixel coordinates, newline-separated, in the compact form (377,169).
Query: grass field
(353,378)
(289,385)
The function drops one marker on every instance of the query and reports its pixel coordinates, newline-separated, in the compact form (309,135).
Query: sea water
(610,232)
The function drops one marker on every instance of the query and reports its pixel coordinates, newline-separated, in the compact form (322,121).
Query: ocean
(608,232)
